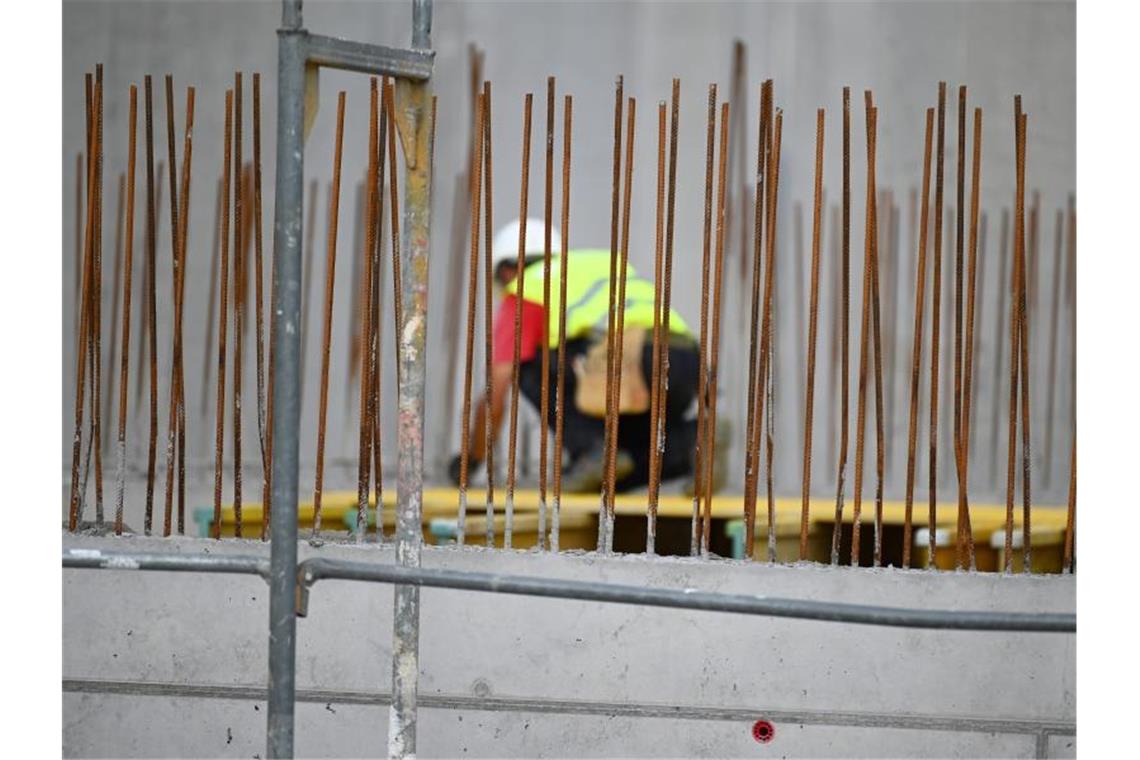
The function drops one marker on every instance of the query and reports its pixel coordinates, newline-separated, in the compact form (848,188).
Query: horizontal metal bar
(318,568)
(369,59)
(626,709)
(190,563)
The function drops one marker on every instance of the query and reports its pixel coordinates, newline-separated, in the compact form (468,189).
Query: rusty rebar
(96,302)
(869,267)
(966,556)
(126,320)
(611,322)
(703,371)
(1023,345)
(520,280)
(751,456)
(223,284)
(560,379)
(150,321)
(877,348)
(386,142)
(935,325)
(488,317)
(1014,333)
(472,280)
(845,328)
(714,356)
(259,312)
(239,303)
(772,197)
(544,386)
(813,326)
(959,247)
(394,204)
(916,351)
(655,379)
(326,335)
(374,188)
(660,434)
(84,317)
(77,275)
(618,330)
(175,434)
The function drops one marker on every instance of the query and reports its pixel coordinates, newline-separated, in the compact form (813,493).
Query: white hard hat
(505,246)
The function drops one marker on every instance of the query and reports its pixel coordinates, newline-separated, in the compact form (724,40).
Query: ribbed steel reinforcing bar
(312,570)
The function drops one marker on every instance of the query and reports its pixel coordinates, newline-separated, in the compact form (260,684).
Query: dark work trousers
(581,433)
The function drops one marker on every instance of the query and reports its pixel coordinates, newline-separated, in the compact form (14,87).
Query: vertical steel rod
(82,354)
(618,330)
(667,275)
(655,379)
(520,280)
(877,346)
(488,316)
(220,409)
(813,326)
(714,355)
(285,373)
(179,301)
(845,328)
(326,336)
(935,325)
(766,330)
(560,381)
(126,343)
(1023,345)
(869,242)
(611,321)
(544,392)
(239,303)
(703,372)
(259,309)
(916,351)
(371,223)
(751,456)
(412,103)
(965,531)
(472,280)
(150,321)
(1014,334)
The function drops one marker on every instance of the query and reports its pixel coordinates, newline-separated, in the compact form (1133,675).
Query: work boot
(585,474)
(720,458)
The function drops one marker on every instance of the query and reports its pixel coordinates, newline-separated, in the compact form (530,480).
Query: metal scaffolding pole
(412,68)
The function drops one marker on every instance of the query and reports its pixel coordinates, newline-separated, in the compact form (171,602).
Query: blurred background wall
(900,50)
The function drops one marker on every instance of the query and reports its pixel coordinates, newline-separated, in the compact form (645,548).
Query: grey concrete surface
(899,49)
(513,676)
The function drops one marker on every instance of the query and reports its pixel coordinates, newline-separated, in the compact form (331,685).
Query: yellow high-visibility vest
(588,294)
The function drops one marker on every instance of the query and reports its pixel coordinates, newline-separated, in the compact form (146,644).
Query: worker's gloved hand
(456,464)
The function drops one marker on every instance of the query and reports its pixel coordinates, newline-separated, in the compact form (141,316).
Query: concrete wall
(900,50)
(170,665)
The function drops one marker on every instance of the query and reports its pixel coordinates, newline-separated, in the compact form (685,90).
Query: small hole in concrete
(763,731)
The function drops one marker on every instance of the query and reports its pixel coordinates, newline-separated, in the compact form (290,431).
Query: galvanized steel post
(286,401)
(412,116)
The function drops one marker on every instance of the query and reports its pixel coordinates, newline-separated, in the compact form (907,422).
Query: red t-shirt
(503,328)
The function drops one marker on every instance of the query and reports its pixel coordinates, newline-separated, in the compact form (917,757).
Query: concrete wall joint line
(1042,729)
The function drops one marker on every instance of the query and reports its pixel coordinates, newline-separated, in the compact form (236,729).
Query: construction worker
(587,308)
